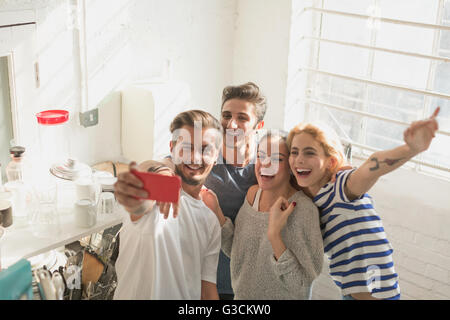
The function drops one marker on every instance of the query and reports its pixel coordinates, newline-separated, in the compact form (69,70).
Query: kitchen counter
(20,242)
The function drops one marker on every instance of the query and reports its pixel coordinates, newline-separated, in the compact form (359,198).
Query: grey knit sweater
(255,274)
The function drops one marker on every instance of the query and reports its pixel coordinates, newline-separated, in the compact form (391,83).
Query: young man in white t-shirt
(172,256)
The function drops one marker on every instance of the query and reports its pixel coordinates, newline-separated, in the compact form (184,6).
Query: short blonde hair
(327,138)
(191,116)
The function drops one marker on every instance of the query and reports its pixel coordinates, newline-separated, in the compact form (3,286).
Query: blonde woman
(360,254)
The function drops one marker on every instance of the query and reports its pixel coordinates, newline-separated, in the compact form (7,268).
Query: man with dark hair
(242,113)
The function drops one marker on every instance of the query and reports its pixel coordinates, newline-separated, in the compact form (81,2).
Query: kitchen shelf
(20,242)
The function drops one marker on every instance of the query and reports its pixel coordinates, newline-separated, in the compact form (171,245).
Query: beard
(188,181)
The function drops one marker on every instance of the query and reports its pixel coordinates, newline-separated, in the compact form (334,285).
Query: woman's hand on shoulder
(210,199)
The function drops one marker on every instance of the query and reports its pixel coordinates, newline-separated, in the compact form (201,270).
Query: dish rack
(86,267)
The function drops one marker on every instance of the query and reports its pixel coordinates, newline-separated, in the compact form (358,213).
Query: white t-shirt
(168,259)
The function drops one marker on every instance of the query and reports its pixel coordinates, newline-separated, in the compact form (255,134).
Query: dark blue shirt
(230,184)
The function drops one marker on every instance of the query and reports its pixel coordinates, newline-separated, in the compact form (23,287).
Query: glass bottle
(17,173)
(15,168)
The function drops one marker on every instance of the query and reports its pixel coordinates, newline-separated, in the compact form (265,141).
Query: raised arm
(417,139)
(298,259)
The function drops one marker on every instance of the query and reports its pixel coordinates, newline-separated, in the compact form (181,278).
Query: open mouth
(267,174)
(267,178)
(303,173)
(194,168)
(233,133)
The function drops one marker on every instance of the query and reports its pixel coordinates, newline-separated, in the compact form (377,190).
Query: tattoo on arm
(389,162)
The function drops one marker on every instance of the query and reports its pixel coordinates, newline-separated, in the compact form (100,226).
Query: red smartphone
(160,187)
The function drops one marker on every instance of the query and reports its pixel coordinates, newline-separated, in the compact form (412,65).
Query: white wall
(261,52)
(300,54)
(49,43)
(195,35)
(208,43)
(131,40)
(415,209)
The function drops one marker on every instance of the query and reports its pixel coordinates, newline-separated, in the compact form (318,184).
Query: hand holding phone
(161,188)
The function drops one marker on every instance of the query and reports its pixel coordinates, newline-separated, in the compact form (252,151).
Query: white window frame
(313,69)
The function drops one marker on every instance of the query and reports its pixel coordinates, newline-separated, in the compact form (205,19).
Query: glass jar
(54,147)
(57,169)
(53,140)
(45,219)
(65,176)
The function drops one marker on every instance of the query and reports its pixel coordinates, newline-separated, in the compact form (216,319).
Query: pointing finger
(435,113)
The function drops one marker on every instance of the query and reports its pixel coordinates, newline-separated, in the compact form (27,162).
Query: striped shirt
(355,242)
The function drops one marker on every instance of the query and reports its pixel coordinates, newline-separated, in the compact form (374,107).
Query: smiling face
(309,162)
(238,119)
(194,153)
(272,163)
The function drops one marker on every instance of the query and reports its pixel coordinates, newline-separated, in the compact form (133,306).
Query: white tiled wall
(416,217)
